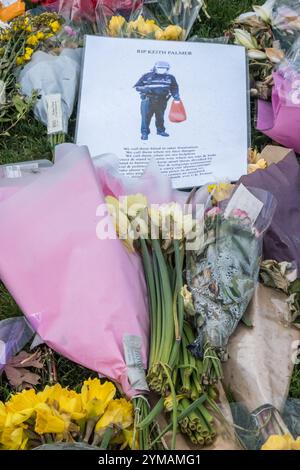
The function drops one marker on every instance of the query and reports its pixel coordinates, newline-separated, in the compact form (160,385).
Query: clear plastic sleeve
(164,20)
(286,21)
(223,273)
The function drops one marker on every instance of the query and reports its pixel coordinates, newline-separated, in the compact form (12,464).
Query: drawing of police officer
(156,88)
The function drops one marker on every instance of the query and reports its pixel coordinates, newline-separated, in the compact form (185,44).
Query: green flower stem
(178,302)
(152,297)
(106,438)
(151,416)
(167,326)
(181,416)
(156,335)
(174,411)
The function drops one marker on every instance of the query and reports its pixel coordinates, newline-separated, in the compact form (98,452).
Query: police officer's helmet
(162,65)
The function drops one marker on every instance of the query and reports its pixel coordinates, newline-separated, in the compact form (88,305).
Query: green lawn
(29,142)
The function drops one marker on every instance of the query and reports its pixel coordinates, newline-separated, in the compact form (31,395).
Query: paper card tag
(2,92)
(12,171)
(133,357)
(54,110)
(244,201)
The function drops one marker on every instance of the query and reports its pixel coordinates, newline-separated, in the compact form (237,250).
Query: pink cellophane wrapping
(280,120)
(81,294)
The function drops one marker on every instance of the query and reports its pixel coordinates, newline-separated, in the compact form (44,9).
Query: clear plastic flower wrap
(223,272)
(163,19)
(286,21)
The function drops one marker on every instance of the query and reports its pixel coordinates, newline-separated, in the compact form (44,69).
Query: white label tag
(12,171)
(2,92)
(55,122)
(133,357)
(244,201)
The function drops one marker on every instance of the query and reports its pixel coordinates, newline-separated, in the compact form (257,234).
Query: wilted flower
(245,39)
(274,55)
(256,54)
(119,413)
(188,301)
(265,11)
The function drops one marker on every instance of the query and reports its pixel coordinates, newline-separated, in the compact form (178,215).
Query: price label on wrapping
(133,357)
(54,112)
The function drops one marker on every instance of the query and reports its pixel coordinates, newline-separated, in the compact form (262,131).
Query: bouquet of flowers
(18,41)
(222,275)
(160,233)
(163,20)
(56,414)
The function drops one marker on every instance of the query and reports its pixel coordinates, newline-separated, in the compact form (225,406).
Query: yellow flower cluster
(65,414)
(285,442)
(33,31)
(141,27)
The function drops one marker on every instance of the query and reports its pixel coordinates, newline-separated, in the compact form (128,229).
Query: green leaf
(19,104)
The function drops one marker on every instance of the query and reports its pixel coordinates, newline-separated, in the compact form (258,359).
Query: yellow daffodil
(71,404)
(274,442)
(29,28)
(28,53)
(115,25)
(220,191)
(173,33)
(133,204)
(14,438)
(22,406)
(50,394)
(66,401)
(121,222)
(96,397)
(55,26)
(32,40)
(3,415)
(19,61)
(40,35)
(48,420)
(119,413)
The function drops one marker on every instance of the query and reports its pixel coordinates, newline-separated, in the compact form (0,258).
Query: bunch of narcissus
(143,28)
(160,234)
(58,414)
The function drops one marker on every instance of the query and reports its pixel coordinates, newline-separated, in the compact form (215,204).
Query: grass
(29,142)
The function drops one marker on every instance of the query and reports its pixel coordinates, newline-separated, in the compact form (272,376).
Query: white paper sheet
(212,78)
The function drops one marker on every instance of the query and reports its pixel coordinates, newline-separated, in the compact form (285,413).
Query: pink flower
(213,212)
(239,214)
(70,31)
